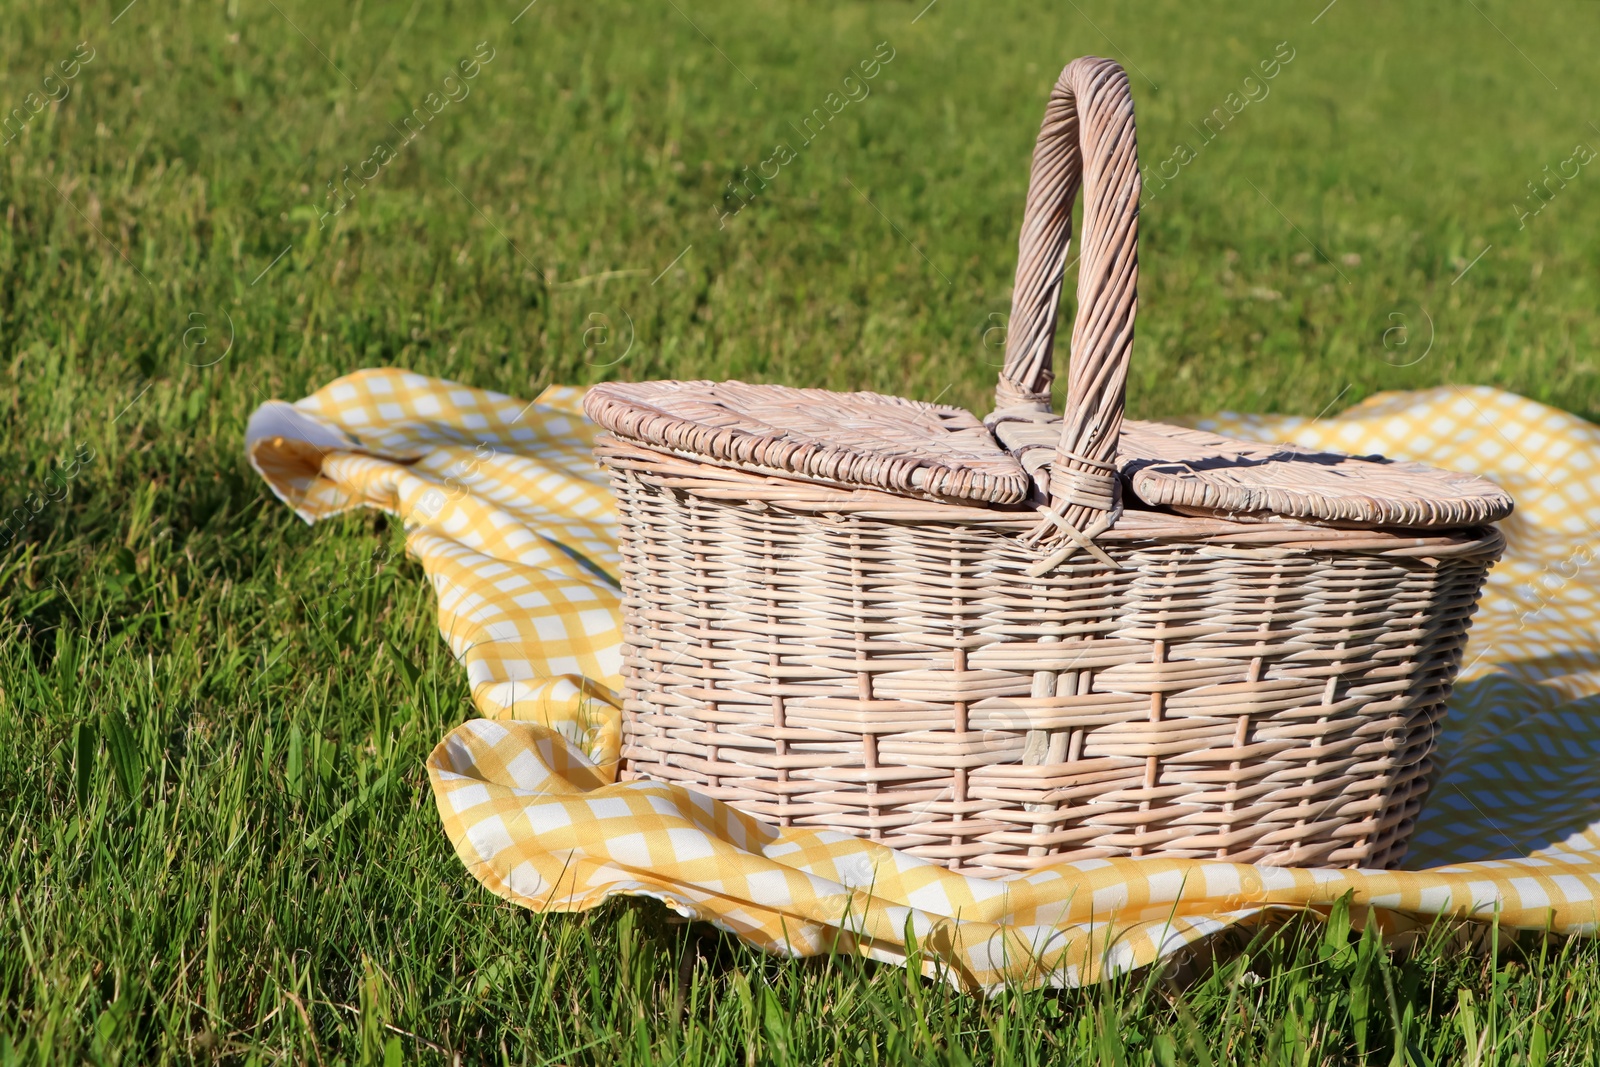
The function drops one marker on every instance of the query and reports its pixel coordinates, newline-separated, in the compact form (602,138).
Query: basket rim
(873,440)
(691,473)
(1198,472)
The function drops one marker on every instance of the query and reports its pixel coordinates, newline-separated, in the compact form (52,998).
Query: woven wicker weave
(869,631)
(853,439)
(1199,473)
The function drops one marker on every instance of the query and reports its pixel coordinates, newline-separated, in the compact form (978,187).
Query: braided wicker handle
(1087,134)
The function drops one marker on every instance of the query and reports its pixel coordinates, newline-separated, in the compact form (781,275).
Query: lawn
(207,206)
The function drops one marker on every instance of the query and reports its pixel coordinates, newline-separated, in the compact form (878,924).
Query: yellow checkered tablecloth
(514,526)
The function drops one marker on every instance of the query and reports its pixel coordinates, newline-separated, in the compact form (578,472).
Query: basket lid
(860,440)
(872,441)
(1194,472)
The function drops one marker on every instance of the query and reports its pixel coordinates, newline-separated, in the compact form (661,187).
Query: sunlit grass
(219,838)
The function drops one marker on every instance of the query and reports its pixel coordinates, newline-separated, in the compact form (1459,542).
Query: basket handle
(1087,135)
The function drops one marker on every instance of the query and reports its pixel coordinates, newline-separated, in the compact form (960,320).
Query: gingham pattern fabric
(514,526)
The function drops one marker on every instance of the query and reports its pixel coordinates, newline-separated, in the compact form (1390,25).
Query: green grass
(219,841)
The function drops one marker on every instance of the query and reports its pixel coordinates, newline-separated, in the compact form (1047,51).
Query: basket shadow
(1518,766)
(1274,459)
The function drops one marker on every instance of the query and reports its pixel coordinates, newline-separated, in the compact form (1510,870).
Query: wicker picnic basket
(1047,638)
